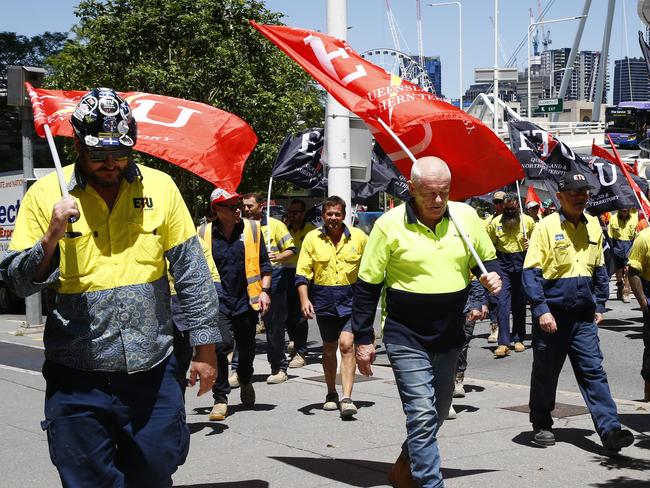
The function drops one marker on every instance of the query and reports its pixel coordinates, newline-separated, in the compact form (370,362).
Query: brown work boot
(400,474)
(647,391)
(494,333)
(218,412)
(519,347)
(502,351)
(298,361)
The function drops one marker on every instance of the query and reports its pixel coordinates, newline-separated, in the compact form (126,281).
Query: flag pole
(627,176)
(57,162)
(521,211)
(268,216)
(457,223)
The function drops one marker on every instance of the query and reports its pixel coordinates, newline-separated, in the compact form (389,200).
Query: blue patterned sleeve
(195,291)
(19,267)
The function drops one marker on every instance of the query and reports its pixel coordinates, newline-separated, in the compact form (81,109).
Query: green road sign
(549,105)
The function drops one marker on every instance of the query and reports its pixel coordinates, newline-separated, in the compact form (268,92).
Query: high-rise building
(631,82)
(584,76)
(433,68)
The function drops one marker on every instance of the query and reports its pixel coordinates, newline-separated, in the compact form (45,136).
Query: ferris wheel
(400,64)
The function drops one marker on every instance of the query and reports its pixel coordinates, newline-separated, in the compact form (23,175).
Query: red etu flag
(209,142)
(532,196)
(616,159)
(478,160)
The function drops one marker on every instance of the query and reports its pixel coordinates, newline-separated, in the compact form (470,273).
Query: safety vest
(252,237)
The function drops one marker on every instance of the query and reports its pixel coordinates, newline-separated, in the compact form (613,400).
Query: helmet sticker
(126,140)
(91,141)
(110,124)
(108,139)
(123,127)
(108,106)
(85,107)
(125,110)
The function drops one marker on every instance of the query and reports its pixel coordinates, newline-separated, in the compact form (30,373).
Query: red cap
(221,195)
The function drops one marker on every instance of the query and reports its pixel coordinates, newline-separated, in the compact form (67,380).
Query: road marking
(20,370)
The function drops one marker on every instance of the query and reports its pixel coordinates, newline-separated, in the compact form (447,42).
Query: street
(287,440)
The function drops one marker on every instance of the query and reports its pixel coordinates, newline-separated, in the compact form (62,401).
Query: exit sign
(549,105)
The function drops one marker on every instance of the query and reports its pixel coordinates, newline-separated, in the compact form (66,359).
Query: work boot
(400,474)
(451,415)
(277,378)
(331,401)
(544,437)
(519,347)
(646,395)
(616,439)
(298,361)
(619,290)
(348,408)
(247,395)
(459,391)
(494,333)
(233,380)
(502,351)
(218,412)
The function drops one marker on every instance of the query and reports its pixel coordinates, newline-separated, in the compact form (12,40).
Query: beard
(510,222)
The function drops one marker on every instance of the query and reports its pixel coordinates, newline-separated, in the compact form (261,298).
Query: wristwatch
(266,289)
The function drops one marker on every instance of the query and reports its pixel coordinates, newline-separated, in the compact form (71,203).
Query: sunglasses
(119,156)
(232,208)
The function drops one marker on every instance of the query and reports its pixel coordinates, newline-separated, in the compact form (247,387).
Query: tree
(17,50)
(201,50)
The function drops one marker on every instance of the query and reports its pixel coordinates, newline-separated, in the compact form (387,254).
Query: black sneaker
(544,437)
(616,439)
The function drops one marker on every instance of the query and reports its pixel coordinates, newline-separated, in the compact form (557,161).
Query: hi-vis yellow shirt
(623,231)
(280,238)
(113,304)
(298,237)
(639,258)
(510,240)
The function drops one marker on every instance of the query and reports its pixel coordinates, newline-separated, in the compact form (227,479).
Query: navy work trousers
(512,298)
(115,429)
(297,326)
(577,337)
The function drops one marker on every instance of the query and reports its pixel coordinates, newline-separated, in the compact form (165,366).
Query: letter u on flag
(209,142)
(428,126)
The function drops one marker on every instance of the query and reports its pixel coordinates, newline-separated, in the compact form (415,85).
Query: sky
(368,28)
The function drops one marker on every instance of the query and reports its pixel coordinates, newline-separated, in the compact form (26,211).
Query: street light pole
(460,45)
(530,28)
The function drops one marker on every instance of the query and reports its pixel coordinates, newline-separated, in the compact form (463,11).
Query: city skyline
(368,28)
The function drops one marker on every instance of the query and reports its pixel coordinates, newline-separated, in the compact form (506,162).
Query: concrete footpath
(287,440)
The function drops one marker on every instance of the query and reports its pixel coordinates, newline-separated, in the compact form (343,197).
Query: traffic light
(16,78)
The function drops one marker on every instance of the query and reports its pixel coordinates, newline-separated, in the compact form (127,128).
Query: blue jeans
(115,429)
(425,382)
(577,337)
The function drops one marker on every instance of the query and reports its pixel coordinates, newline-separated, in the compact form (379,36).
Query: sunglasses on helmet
(119,155)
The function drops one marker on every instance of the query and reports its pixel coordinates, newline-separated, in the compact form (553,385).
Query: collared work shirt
(113,304)
(623,230)
(564,265)
(639,258)
(426,274)
(332,268)
(298,237)
(277,235)
(510,243)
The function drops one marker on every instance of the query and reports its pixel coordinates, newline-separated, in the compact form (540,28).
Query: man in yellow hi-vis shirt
(567,283)
(622,229)
(417,255)
(114,412)
(329,259)
(639,271)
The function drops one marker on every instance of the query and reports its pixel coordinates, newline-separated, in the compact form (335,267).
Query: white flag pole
(268,216)
(457,223)
(521,210)
(57,161)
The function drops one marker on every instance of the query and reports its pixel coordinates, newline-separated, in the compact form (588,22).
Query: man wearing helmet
(114,412)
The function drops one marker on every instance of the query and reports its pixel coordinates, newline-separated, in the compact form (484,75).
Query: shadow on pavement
(576,437)
(471,388)
(621,482)
(230,484)
(308,409)
(620,461)
(216,427)
(465,408)
(359,472)
(636,421)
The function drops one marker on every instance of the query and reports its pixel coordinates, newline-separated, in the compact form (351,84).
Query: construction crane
(418,9)
(546,36)
(535,36)
(392,25)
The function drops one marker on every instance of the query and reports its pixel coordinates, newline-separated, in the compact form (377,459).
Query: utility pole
(337,121)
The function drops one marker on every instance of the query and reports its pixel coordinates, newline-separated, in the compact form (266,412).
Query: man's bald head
(430,166)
